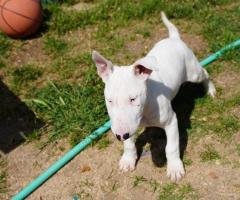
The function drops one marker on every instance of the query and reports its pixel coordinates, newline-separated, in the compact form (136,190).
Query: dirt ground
(94,174)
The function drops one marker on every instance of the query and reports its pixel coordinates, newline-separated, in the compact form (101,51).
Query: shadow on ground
(16,120)
(183,104)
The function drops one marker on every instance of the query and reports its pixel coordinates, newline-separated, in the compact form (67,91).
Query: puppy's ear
(144,67)
(104,66)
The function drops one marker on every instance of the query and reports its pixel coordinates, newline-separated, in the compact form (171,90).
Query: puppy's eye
(132,99)
(109,101)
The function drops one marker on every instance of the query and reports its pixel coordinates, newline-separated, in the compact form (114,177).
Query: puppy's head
(125,92)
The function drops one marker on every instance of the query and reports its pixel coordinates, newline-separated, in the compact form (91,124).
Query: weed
(187,161)
(177,192)
(238,149)
(2,63)
(226,126)
(144,32)
(3,181)
(25,74)
(138,180)
(86,188)
(34,135)
(213,117)
(115,186)
(69,2)
(154,185)
(103,142)
(209,154)
(55,46)
(5,46)
(168,192)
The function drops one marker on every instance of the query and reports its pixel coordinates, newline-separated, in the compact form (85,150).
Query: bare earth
(94,174)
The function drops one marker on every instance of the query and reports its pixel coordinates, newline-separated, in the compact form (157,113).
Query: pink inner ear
(141,70)
(100,62)
(102,65)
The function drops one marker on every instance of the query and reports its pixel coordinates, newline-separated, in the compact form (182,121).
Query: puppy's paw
(211,89)
(175,170)
(127,163)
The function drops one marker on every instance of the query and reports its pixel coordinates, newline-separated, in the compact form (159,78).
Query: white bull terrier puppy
(139,95)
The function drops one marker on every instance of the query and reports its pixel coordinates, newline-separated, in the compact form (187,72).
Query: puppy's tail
(173,31)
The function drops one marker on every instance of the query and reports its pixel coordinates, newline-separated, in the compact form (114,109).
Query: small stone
(213,175)
(85,168)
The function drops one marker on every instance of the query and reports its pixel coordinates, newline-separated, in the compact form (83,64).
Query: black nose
(125,136)
(118,137)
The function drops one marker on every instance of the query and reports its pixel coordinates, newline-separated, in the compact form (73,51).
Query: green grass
(170,191)
(238,149)
(85,190)
(74,106)
(24,75)
(215,117)
(73,110)
(70,67)
(177,192)
(55,46)
(119,12)
(5,45)
(143,31)
(222,28)
(226,126)
(3,178)
(154,185)
(210,154)
(5,49)
(104,142)
(187,161)
(138,180)
(114,186)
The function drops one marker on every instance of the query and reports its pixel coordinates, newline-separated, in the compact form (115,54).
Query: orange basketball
(20,18)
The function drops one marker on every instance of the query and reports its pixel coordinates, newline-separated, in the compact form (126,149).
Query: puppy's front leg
(175,169)
(128,160)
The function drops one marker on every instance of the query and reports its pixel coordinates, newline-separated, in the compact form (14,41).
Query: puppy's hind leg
(197,74)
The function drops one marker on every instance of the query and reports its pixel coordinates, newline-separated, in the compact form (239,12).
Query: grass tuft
(209,154)
(55,46)
(24,75)
(3,179)
(187,161)
(104,142)
(138,180)
(5,46)
(238,149)
(177,192)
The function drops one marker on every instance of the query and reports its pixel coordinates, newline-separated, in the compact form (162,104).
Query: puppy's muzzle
(125,136)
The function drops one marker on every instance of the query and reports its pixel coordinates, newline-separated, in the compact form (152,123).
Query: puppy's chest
(157,112)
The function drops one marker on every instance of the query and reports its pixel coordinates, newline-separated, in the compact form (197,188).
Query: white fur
(141,94)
